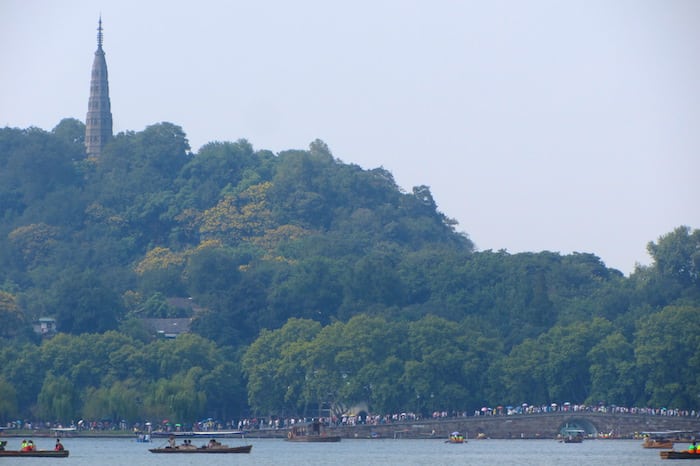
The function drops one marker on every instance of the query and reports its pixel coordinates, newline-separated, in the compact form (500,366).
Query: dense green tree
(337,358)
(211,273)
(614,380)
(435,371)
(114,402)
(20,370)
(311,288)
(378,382)
(72,132)
(83,303)
(225,391)
(215,277)
(218,167)
(33,164)
(567,367)
(239,217)
(83,361)
(297,189)
(374,280)
(677,261)
(667,359)
(14,323)
(273,365)
(522,374)
(58,399)
(9,409)
(161,272)
(156,306)
(178,397)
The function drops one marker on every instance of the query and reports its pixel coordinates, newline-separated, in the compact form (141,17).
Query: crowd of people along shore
(349,419)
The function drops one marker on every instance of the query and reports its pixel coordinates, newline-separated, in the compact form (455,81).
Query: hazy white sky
(539,125)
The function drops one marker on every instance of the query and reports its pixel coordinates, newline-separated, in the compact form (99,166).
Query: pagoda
(98,123)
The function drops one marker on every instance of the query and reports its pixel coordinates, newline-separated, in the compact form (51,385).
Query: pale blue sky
(539,125)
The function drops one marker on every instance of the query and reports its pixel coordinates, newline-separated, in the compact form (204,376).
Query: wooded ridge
(311,283)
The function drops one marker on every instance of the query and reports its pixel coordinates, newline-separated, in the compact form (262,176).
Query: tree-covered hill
(334,266)
(254,237)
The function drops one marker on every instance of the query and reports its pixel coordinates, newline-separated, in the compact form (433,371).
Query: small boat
(573,439)
(35,453)
(666,439)
(311,432)
(313,438)
(650,442)
(678,455)
(221,449)
(455,437)
(194,433)
(31,453)
(572,435)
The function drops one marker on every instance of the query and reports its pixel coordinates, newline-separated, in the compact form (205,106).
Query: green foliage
(121,400)
(238,218)
(111,376)
(20,370)
(614,379)
(677,260)
(14,324)
(83,303)
(522,373)
(428,365)
(178,396)
(309,288)
(272,365)
(33,166)
(224,390)
(220,166)
(58,399)
(667,357)
(316,283)
(9,409)
(156,306)
(72,132)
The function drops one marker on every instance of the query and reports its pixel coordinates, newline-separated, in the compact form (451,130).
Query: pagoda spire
(99,34)
(98,123)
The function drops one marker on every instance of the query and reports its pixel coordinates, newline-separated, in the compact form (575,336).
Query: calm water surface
(109,452)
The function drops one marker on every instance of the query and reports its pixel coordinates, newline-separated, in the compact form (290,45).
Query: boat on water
(218,449)
(196,433)
(651,442)
(455,437)
(212,447)
(32,453)
(678,455)
(573,439)
(666,439)
(571,435)
(35,453)
(311,432)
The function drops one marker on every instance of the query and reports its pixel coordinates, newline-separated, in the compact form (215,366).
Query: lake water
(84,451)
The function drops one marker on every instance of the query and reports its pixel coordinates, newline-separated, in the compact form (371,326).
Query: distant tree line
(317,283)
